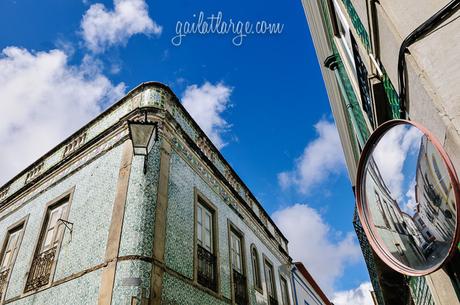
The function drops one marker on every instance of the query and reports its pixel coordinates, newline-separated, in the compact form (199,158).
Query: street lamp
(143,135)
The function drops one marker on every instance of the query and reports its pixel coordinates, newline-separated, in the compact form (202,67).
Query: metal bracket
(68,225)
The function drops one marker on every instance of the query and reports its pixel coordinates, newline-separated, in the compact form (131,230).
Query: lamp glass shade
(142,136)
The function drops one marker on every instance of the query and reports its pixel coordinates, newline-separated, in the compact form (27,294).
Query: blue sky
(270,113)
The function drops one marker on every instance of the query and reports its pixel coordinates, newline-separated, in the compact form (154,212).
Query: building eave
(132,93)
(312,282)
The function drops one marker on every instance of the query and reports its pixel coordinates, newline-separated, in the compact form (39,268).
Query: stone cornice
(64,169)
(147,96)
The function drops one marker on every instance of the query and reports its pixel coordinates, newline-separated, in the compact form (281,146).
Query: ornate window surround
(18,225)
(199,198)
(67,197)
(284,290)
(268,265)
(257,276)
(233,229)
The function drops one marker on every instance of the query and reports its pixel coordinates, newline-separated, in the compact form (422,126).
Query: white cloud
(102,28)
(43,100)
(206,105)
(411,203)
(322,250)
(321,158)
(358,296)
(390,155)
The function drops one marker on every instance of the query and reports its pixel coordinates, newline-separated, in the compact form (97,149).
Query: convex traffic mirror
(408,197)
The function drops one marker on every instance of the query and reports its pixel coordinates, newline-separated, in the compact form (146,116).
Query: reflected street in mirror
(408,198)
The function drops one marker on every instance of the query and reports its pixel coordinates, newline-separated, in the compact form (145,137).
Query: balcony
(239,288)
(3,278)
(272,301)
(40,271)
(207,263)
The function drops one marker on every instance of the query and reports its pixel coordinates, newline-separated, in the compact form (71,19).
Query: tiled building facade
(373,75)
(86,225)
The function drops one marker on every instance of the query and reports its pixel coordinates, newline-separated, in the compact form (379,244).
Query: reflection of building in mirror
(400,235)
(436,213)
(413,230)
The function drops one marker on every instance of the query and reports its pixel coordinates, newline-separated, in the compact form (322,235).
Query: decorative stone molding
(3,280)
(4,192)
(134,99)
(204,146)
(248,199)
(34,172)
(54,178)
(263,219)
(74,144)
(232,180)
(159,96)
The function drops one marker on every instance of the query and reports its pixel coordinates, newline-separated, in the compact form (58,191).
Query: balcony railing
(272,301)
(239,288)
(207,265)
(3,277)
(40,271)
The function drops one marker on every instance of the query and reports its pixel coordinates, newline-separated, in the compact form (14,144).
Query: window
(284,291)
(238,277)
(235,249)
(256,268)
(270,281)
(204,229)
(50,238)
(439,175)
(206,258)
(420,221)
(54,228)
(382,211)
(11,246)
(363,81)
(8,254)
(399,249)
(342,32)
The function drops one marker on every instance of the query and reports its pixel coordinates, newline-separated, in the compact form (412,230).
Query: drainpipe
(419,33)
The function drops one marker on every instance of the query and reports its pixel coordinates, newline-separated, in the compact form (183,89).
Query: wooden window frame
(68,196)
(257,276)
(18,225)
(235,235)
(333,16)
(200,199)
(201,234)
(231,228)
(275,292)
(59,208)
(282,278)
